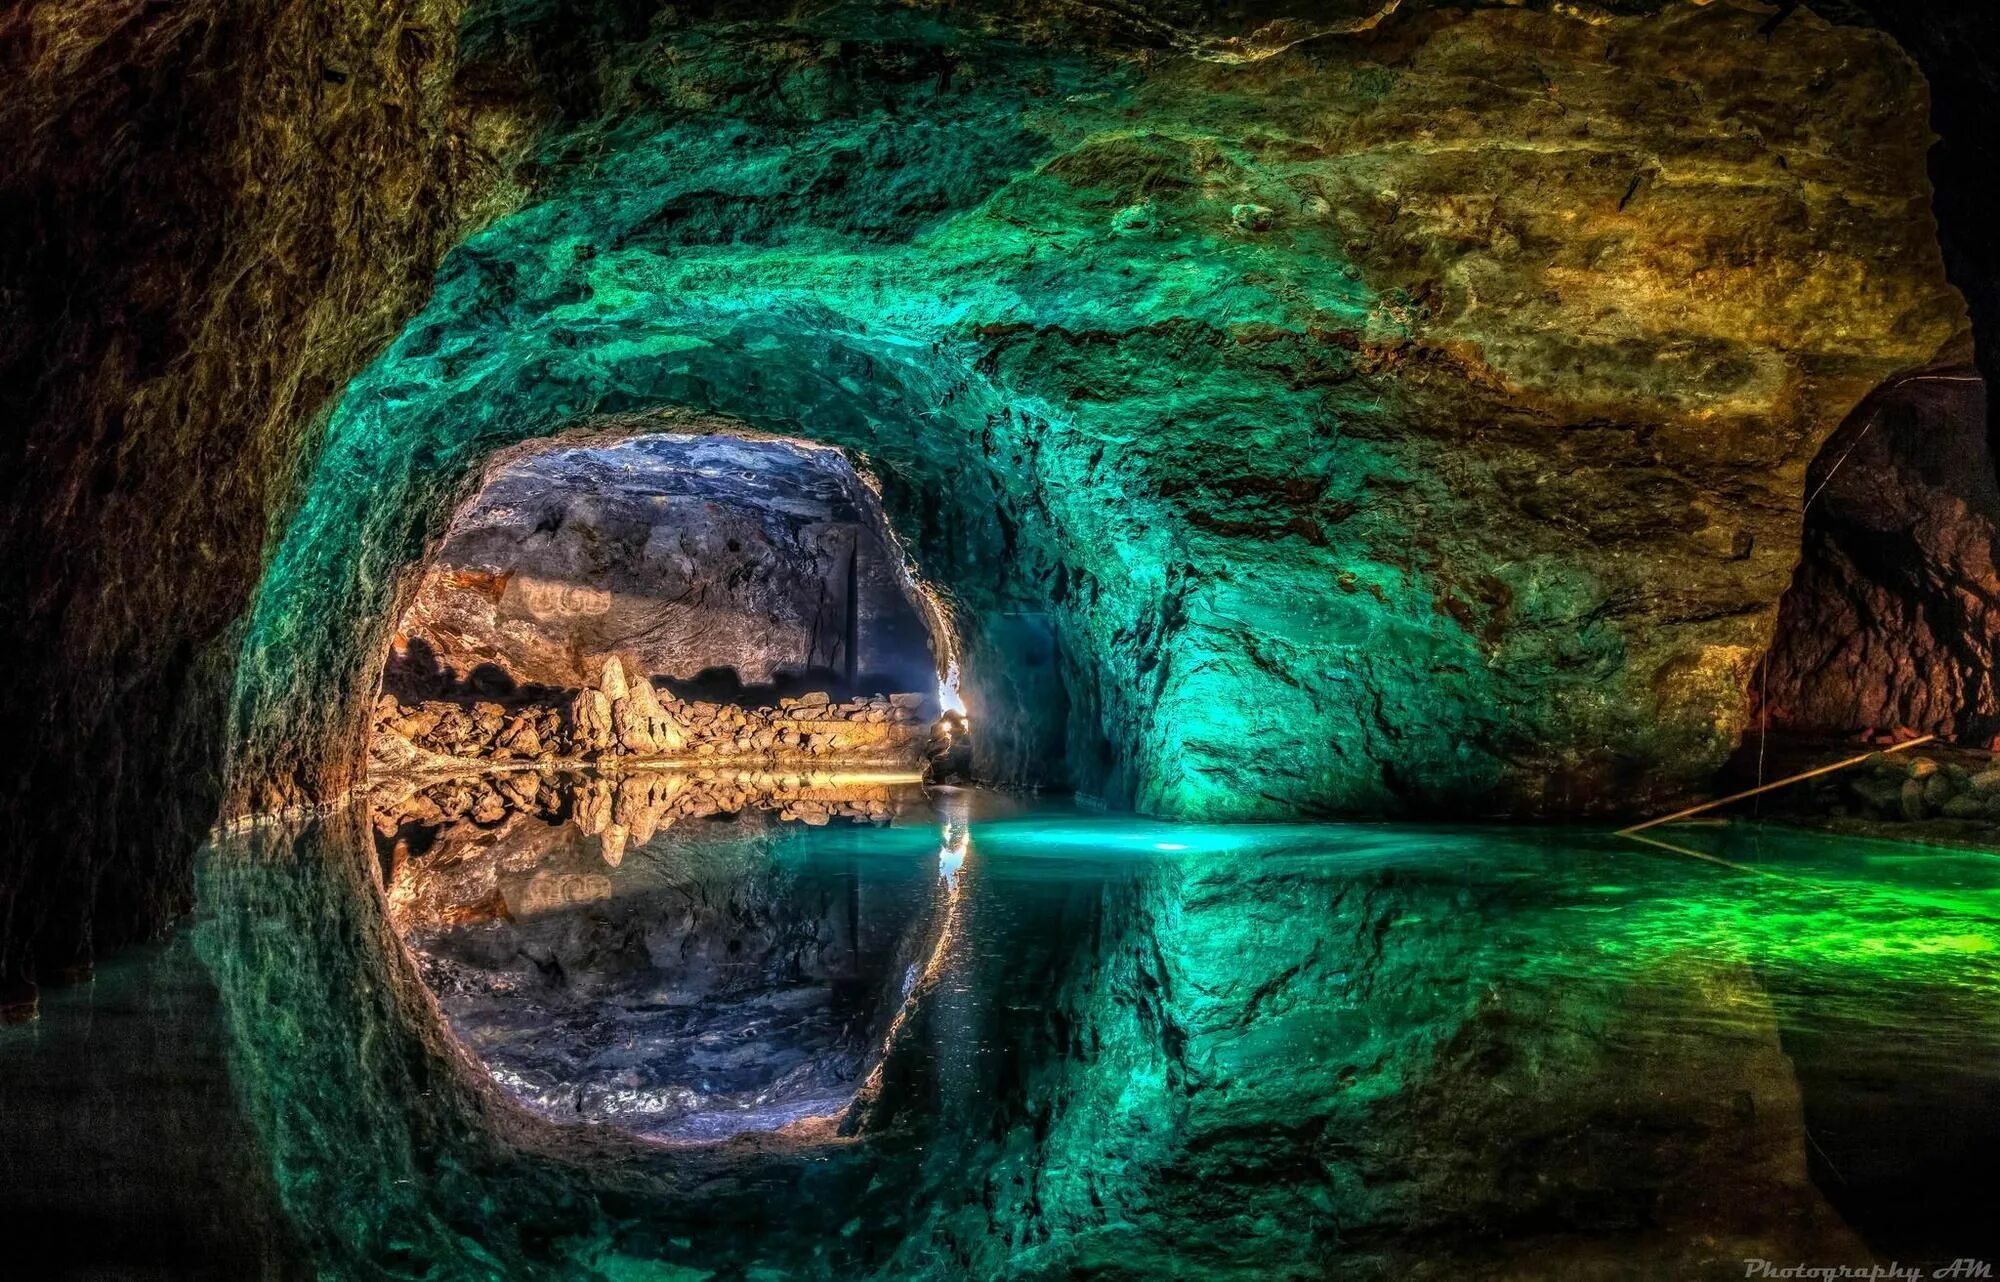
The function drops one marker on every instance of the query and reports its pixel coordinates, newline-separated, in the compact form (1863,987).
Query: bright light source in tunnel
(1169,845)
(949,698)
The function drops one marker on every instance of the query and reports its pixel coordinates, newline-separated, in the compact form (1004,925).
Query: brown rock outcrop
(1893,617)
(593,725)
(590,726)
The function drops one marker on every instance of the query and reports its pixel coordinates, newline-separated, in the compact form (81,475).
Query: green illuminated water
(1119,1049)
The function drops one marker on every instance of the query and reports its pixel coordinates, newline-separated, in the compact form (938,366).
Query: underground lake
(968,1036)
(999,640)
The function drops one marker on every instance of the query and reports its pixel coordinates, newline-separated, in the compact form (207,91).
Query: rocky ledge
(626,718)
(1941,792)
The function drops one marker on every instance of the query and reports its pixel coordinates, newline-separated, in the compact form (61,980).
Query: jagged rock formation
(1409,424)
(624,718)
(748,563)
(1893,619)
(213,214)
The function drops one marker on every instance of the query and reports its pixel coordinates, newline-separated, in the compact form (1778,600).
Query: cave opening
(674,598)
(631,665)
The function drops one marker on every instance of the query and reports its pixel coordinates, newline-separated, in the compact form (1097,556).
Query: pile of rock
(625,717)
(628,809)
(1911,789)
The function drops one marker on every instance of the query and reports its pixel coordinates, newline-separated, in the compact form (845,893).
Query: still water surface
(610,1035)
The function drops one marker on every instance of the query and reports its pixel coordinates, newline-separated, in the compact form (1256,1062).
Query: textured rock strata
(1893,620)
(1403,424)
(1517,328)
(213,213)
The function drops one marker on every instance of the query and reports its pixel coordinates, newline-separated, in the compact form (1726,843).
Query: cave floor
(1034,1042)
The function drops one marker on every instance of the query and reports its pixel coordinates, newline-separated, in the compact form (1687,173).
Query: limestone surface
(1410,423)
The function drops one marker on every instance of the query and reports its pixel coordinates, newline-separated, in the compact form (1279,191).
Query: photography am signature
(1890,1272)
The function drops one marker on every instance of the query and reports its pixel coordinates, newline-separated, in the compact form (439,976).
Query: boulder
(641,714)
(634,730)
(521,738)
(1966,807)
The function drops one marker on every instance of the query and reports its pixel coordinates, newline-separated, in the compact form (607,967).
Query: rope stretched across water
(1780,783)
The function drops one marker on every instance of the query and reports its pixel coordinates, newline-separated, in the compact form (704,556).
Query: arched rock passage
(751,584)
(1314,471)
(1513,324)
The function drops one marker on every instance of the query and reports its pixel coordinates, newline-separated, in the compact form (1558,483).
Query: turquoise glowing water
(1085,1046)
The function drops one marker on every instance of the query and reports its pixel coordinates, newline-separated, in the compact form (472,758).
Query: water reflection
(1046,1045)
(654,952)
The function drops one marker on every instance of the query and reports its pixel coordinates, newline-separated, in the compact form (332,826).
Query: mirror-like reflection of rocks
(653,950)
(1076,1045)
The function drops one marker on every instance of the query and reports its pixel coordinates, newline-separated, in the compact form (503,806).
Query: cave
(671,598)
(999,639)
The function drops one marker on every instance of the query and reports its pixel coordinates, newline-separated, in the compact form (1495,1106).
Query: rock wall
(1892,622)
(213,214)
(1501,320)
(1405,424)
(717,562)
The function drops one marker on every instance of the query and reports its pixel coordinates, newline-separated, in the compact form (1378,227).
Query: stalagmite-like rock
(641,710)
(593,807)
(633,729)
(590,724)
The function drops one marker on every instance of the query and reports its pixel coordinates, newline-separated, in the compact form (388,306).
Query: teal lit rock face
(1416,424)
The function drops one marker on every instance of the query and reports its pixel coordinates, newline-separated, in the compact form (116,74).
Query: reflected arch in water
(728,969)
(1328,1051)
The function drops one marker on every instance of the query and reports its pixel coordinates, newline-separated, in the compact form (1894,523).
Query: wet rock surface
(1933,792)
(1615,275)
(611,809)
(1417,423)
(1892,622)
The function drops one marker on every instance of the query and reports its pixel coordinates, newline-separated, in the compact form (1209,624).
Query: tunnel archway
(1282,520)
(945,511)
